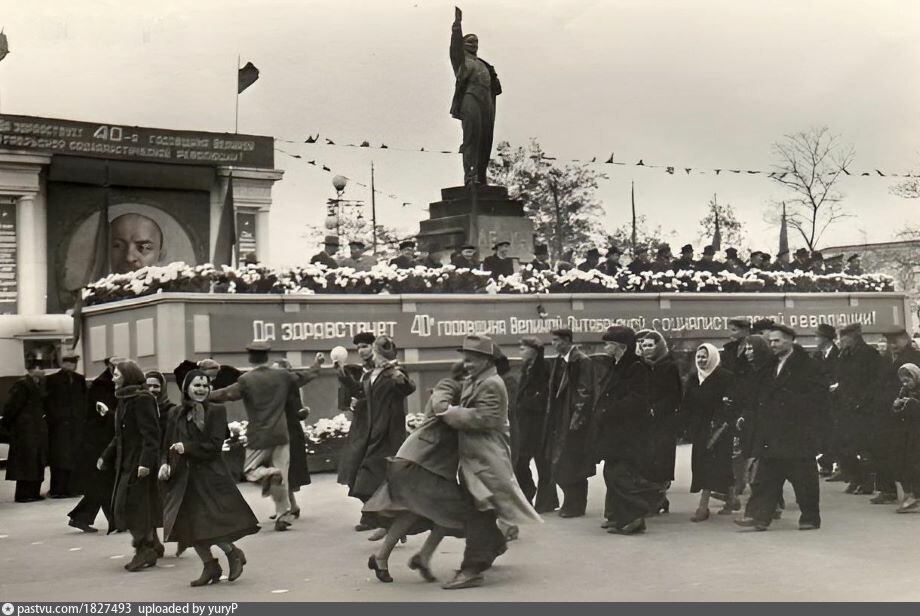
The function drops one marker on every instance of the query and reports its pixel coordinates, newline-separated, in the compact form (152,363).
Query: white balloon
(339,354)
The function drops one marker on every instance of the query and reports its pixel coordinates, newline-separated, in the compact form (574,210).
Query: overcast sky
(702,83)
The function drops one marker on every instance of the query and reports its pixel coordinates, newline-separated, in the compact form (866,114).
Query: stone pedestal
(481,218)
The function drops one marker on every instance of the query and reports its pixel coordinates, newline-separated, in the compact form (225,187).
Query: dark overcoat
(135,500)
(571,393)
(855,403)
(67,399)
(24,419)
(385,432)
(705,413)
(666,391)
(351,385)
(298,471)
(623,412)
(530,409)
(96,432)
(202,503)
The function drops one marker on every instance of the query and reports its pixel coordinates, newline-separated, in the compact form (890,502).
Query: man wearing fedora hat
(685,262)
(540,261)
(801,261)
(592,259)
(265,393)
(359,260)
(499,263)
(326,255)
(486,470)
(66,403)
(406,257)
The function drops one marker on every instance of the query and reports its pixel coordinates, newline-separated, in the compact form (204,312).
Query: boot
(210,574)
(143,557)
(235,561)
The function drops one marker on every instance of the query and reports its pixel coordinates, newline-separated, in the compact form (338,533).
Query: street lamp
(334,206)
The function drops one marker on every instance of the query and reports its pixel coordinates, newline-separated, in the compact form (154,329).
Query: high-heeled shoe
(210,574)
(235,561)
(382,573)
(416,564)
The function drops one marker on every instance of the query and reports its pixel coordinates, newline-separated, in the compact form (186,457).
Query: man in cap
(784,438)
(540,261)
(854,266)
(592,260)
(802,261)
(685,262)
(466,258)
(359,260)
(732,357)
(499,263)
(756,260)
(265,393)
(826,355)
(663,259)
(707,262)
(406,257)
(888,429)
(327,254)
(486,475)
(855,398)
(623,423)
(571,397)
(611,265)
(66,405)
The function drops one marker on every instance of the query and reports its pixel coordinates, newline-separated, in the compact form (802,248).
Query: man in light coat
(486,471)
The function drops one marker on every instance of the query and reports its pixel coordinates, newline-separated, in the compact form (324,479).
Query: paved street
(863,553)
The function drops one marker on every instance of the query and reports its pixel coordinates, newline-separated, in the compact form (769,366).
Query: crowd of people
(644,259)
(759,412)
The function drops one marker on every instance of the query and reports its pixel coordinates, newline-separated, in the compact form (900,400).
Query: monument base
(482,219)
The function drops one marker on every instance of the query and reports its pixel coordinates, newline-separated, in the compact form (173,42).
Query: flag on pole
(246,76)
(4,45)
(226,230)
(783,233)
(717,234)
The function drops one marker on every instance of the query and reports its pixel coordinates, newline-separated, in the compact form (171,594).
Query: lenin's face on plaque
(136,242)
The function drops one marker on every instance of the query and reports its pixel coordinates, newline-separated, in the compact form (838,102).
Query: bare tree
(809,166)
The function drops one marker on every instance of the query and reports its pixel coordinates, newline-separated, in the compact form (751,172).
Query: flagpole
(632,193)
(236,125)
(373,209)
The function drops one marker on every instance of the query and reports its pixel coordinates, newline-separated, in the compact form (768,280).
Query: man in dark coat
(801,261)
(98,430)
(540,261)
(406,257)
(886,429)
(854,266)
(733,263)
(782,263)
(826,356)
(466,258)
(707,262)
(611,265)
(24,419)
(640,262)
(855,398)
(686,261)
(592,260)
(663,259)
(530,419)
(568,420)
(499,263)
(732,356)
(327,254)
(785,436)
(623,416)
(66,408)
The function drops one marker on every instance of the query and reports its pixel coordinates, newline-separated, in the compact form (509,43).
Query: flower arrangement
(327,429)
(386,279)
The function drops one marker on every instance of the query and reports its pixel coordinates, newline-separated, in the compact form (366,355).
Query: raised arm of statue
(456,41)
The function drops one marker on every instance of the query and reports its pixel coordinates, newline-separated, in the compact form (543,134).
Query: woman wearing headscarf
(203,506)
(156,385)
(298,471)
(421,492)
(665,400)
(907,450)
(527,429)
(133,453)
(386,389)
(710,427)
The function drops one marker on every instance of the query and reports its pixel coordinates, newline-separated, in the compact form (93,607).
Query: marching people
(665,396)
(622,416)
(486,474)
(156,385)
(24,419)
(710,428)
(203,506)
(529,423)
(826,355)
(133,454)
(421,492)
(298,471)
(567,433)
(907,448)
(784,439)
(265,394)
(352,397)
(97,431)
(386,388)
(734,359)
(66,405)
(855,396)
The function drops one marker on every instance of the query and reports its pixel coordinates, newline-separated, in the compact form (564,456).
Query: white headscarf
(711,364)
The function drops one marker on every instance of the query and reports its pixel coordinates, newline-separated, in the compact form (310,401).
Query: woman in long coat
(24,419)
(134,453)
(907,450)
(156,385)
(710,427)
(386,389)
(203,505)
(665,400)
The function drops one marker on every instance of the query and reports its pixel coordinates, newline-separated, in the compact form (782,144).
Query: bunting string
(321,140)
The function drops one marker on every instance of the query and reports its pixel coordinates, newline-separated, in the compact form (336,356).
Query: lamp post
(334,207)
